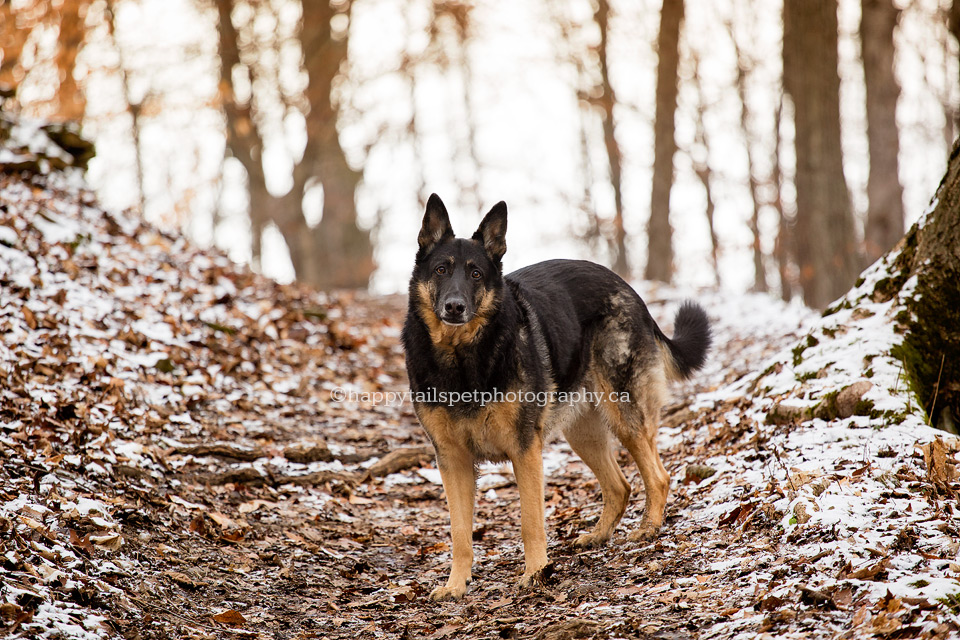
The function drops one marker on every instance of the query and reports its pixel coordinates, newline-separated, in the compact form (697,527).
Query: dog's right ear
(436,226)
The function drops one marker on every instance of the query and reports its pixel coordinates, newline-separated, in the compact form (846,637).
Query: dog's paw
(538,577)
(646,533)
(448,592)
(589,540)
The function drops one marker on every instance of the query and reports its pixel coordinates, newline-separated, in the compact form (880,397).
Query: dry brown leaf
(82,543)
(29,317)
(107,542)
(940,469)
(230,617)
(183,579)
(222,520)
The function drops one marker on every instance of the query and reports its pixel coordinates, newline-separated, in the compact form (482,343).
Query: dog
(496,362)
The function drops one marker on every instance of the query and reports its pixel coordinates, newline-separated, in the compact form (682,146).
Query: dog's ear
(436,226)
(492,232)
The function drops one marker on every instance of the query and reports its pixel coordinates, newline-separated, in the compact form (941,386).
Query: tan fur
(492,434)
(636,425)
(460,443)
(591,440)
(449,337)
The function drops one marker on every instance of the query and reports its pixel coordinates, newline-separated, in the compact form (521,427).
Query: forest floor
(177,462)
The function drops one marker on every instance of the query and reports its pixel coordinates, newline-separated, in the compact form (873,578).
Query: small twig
(776,454)
(936,390)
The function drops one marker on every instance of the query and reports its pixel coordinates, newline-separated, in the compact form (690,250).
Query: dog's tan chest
(491,432)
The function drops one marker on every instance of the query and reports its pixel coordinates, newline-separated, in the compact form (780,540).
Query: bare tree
(607,102)
(783,247)
(133,107)
(460,15)
(884,191)
(927,257)
(18,24)
(826,246)
(659,232)
(953,25)
(71,101)
(701,167)
(15,28)
(743,68)
(335,253)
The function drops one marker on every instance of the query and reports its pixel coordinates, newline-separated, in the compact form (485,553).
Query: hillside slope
(179,460)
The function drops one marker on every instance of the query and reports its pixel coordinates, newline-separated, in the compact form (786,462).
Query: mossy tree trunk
(930,322)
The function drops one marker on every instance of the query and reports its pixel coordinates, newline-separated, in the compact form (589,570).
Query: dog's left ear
(492,232)
(436,226)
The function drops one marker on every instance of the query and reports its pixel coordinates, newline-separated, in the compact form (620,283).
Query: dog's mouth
(452,320)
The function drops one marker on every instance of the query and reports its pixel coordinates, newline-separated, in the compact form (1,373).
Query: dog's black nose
(455,307)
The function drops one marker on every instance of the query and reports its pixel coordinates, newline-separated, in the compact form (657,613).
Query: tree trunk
(931,327)
(782,246)
(342,255)
(13,37)
(704,172)
(659,233)
(608,101)
(953,25)
(884,192)
(759,270)
(826,246)
(336,253)
(72,104)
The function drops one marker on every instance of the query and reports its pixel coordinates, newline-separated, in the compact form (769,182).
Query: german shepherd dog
(496,362)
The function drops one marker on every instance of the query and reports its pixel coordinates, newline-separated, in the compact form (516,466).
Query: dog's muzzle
(454,311)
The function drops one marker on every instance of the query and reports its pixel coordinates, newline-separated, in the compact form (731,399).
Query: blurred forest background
(734,143)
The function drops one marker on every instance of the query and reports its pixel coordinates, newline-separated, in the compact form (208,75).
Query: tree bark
(71,102)
(13,37)
(705,172)
(884,192)
(759,269)
(659,232)
(782,247)
(931,325)
(953,25)
(336,253)
(825,242)
(608,101)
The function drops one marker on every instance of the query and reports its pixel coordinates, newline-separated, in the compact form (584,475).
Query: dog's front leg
(528,468)
(459,482)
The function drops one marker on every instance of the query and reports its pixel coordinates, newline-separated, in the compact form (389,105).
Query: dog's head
(455,279)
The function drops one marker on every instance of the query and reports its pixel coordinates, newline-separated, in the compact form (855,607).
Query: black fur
(542,332)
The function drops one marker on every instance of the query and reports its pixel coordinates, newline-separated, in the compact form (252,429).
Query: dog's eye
(441,270)
(475,274)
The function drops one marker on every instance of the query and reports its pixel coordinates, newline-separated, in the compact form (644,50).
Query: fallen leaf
(230,617)
(108,542)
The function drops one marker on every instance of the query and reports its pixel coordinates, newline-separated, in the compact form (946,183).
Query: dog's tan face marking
(449,337)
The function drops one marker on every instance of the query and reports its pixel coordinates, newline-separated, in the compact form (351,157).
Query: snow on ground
(116,347)
(809,497)
(835,453)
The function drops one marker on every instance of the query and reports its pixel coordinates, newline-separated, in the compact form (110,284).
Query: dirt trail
(177,463)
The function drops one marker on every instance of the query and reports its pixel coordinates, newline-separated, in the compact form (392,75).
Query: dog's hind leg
(637,429)
(591,440)
(459,482)
(656,483)
(528,468)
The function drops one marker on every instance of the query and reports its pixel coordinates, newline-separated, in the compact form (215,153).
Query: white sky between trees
(524,103)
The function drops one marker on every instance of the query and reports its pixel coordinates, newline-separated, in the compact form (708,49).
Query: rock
(849,398)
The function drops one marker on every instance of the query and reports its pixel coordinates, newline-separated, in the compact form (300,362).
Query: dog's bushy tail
(687,350)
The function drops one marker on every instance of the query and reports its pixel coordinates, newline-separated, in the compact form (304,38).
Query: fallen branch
(222,450)
(255,478)
(400,459)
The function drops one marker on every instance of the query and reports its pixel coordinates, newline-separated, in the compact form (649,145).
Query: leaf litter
(174,464)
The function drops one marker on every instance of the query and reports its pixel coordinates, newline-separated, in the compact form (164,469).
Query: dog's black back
(490,358)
